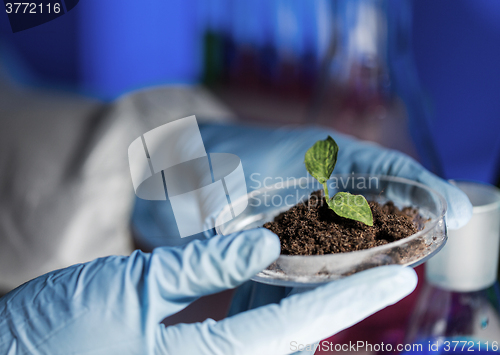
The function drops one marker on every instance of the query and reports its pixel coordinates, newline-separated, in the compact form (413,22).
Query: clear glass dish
(297,270)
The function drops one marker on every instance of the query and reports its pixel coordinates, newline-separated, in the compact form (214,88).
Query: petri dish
(311,270)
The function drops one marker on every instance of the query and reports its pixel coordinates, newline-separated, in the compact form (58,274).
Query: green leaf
(320,159)
(352,206)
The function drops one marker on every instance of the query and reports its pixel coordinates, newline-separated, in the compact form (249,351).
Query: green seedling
(320,161)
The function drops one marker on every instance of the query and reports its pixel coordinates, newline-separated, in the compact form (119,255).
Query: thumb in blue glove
(114,305)
(369,158)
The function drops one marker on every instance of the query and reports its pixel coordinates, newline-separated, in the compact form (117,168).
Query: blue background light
(106,48)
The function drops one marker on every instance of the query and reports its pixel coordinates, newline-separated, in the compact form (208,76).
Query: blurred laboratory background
(419,76)
(293,62)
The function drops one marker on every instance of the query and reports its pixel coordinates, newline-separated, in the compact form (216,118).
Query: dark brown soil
(312,228)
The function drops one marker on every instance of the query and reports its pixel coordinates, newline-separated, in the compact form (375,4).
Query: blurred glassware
(214,19)
(459,308)
(368,84)
(265,46)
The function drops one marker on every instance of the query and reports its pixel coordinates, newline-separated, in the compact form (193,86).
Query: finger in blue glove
(114,305)
(298,320)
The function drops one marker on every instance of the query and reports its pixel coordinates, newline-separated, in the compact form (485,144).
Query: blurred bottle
(368,87)
(265,46)
(248,34)
(459,308)
(217,41)
(268,38)
(302,33)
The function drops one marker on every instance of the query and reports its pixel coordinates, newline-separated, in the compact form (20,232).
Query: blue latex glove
(267,154)
(114,305)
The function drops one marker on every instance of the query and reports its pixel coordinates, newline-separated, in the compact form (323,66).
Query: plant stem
(325,187)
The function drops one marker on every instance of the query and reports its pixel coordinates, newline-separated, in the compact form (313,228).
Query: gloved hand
(114,305)
(270,154)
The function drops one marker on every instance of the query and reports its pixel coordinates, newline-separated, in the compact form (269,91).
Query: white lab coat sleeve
(65,188)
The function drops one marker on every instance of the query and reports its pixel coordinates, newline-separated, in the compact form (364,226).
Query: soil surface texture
(312,228)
